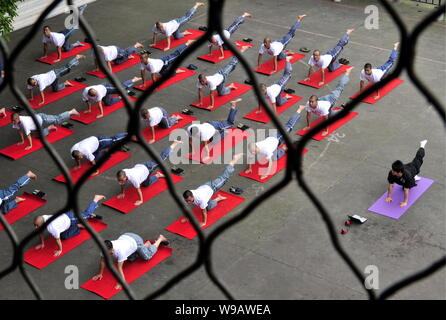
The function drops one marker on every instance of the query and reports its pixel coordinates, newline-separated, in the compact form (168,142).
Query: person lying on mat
(323,106)
(65,226)
(129,247)
(202,195)
(217,41)
(211,131)
(160,65)
(104,93)
(328,60)
(158,116)
(277,48)
(60,39)
(405,175)
(52,78)
(171,28)
(141,174)
(376,74)
(116,55)
(25,124)
(267,149)
(8,200)
(273,93)
(92,148)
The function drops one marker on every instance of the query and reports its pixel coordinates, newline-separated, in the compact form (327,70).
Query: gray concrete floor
(282,250)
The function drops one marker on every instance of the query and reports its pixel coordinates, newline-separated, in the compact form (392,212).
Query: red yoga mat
(16,152)
(43,257)
(256,167)
(53,56)
(215,56)
(51,96)
(116,158)
(329,76)
(126,204)
(160,133)
(31,203)
(232,138)
(186,230)
(263,117)
(117,68)
(267,67)
(87,118)
(105,287)
(382,92)
(177,42)
(4,121)
(221,100)
(333,127)
(176,78)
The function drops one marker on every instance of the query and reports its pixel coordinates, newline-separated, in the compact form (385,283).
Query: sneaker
(165,243)
(96,216)
(417,178)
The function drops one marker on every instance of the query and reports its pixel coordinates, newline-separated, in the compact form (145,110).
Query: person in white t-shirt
(25,124)
(267,149)
(328,60)
(217,41)
(201,196)
(158,116)
(211,131)
(60,39)
(104,93)
(273,93)
(51,78)
(66,225)
(128,247)
(171,28)
(141,174)
(8,200)
(323,106)
(277,48)
(116,55)
(376,74)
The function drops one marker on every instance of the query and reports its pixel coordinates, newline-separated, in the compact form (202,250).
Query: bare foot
(159,175)
(349,31)
(187,33)
(180,71)
(395,45)
(136,79)
(98,198)
(289,58)
(220,198)
(175,143)
(68,83)
(247,15)
(198,4)
(234,102)
(80,57)
(74,112)
(31,175)
(232,86)
(287,96)
(299,18)
(189,42)
(3,112)
(349,70)
(139,45)
(18,199)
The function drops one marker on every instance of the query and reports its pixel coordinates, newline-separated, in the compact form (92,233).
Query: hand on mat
(138,203)
(306,128)
(43,57)
(324,133)
(57,60)
(210,107)
(321,83)
(403,204)
(41,103)
(20,143)
(202,224)
(95,173)
(151,141)
(388,199)
(376,97)
(121,196)
(118,286)
(307,79)
(97,277)
(39,246)
(57,253)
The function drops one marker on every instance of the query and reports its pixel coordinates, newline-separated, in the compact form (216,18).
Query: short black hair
(144,113)
(15,116)
(398,166)
(76,154)
(120,174)
(313,97)
(29,81)
(187,194)
(108,244)
(201,77)
(368,66)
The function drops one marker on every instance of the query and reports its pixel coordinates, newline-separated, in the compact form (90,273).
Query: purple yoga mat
(393,209)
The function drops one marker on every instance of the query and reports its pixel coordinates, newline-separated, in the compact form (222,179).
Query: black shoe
(132,257)
(39,193)
(80,79)
(131,93)
(192,67)
(177,171)
(165,243)
(236,190)
(203,28)
(66,124)
(17,109)
(187,111)
(304,49)
(247,40)
(96,216)
(242,126)
(247,81)
(289,90)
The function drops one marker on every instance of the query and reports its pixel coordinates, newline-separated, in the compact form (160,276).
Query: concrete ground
(282,250)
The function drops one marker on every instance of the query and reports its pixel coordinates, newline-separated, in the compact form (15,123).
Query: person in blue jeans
(277,48)
(60,39)
(116,55)
(65,226)
(376,74)
(171,28)
(158,116)
(2,71)
(323,106)
(8,200)
(201,196)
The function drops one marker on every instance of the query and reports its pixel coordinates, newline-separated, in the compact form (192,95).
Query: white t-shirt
(373,78)
(218,39)
(110,53)
(206,130)
(272,92)
(87,147)
(268,146)
(59,225)
(137,175)
(156,115)
(123,247)
(275,48)
(58,39)
(213,81)
(322,109)
(202,195)
(324,61)
(153,65)
(101,92)
(27,124)
(44,80)
(169,28)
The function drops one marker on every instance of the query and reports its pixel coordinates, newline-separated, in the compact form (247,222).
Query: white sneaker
(417,178)
(423,143)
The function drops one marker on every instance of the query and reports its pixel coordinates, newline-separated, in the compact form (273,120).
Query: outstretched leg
(283,81)
(7,196)
(182,20)
(336,51)
(391,61)
(285,40)
(60,72)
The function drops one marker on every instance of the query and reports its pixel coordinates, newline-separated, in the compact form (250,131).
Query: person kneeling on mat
(158,116)
(8,200)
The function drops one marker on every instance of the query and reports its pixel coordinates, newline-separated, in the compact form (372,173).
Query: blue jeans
(49,119)
(107,142)
(74,230)
(142,251)
(335,94)
(279,153)
(109,99)
(287,38)
(60,72)
(221,126)
(336,51)
(166,121)
(123,55)
(282,83)
(169,59)
(68,33)
(152,166)
(8,195)
(389,63)
(177,34)
(218,183)
(221,89)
